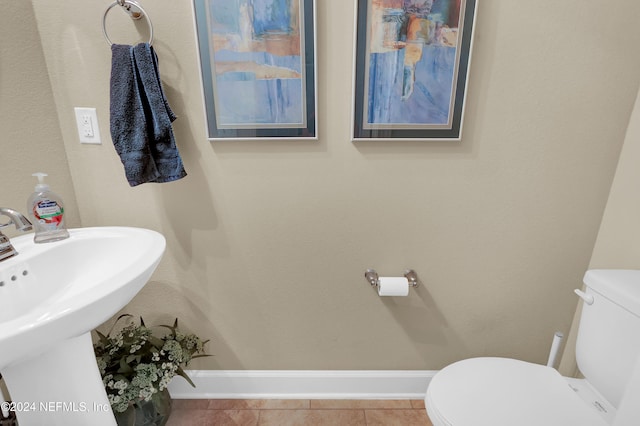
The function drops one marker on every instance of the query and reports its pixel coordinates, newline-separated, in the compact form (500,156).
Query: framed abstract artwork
(411,68)
(258,68)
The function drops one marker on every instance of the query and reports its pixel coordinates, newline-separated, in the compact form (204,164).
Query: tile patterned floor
(289,412)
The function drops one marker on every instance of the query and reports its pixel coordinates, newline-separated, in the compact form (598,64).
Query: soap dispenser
(46,212)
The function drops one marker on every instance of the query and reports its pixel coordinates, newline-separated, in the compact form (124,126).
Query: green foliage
(135,364)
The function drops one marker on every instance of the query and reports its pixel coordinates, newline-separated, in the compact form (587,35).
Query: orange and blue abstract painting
(258,65)
(412,59)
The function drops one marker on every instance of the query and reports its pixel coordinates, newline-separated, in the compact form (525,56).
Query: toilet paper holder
(372,277)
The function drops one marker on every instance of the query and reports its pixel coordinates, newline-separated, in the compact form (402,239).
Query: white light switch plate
(87,122)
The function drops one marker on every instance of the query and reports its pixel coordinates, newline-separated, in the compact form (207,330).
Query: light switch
(87,122)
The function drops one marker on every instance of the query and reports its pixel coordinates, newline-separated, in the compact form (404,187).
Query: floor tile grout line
(301,409)
(259,417)
(298,408)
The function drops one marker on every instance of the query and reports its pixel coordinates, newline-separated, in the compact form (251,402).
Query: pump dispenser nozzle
(41,186)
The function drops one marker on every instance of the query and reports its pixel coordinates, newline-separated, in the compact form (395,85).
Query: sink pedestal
(60,387)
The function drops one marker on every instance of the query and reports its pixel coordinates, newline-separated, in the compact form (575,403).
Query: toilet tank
(608,342)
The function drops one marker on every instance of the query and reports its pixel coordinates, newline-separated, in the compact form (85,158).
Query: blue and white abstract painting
(412,54)
(257,49)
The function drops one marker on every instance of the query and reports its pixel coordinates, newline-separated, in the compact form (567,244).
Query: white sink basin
(52,295)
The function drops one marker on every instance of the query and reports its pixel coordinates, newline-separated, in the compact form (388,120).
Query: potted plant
(137,365)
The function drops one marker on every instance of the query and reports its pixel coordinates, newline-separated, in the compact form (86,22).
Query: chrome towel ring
(133,9)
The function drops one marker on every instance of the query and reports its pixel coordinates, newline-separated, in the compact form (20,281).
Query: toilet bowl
(509,392)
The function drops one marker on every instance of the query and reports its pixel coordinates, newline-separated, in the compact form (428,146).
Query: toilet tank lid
(621,286)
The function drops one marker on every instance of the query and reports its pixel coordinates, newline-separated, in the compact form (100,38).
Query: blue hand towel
(141,117)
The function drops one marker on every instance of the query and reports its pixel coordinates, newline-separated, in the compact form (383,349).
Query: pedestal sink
(51,296)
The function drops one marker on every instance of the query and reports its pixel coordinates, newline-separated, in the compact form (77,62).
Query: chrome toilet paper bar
(373,278)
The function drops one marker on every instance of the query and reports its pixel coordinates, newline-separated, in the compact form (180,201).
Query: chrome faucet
(20,222)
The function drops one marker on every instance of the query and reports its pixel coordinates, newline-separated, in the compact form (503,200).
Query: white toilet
(508,392)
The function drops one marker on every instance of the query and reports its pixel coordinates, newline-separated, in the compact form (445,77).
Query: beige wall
(618,242)
(268,240)
(30,138)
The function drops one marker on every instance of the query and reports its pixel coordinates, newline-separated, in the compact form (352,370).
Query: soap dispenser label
(48,212)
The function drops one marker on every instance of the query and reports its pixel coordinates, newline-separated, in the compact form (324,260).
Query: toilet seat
(505,392)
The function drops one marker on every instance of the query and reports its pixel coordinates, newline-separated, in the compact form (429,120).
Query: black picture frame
(243,63)
(387,73)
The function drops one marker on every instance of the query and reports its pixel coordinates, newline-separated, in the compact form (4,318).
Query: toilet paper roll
(393,286)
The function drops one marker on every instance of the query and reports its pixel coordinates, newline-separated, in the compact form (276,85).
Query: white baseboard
(257,384)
